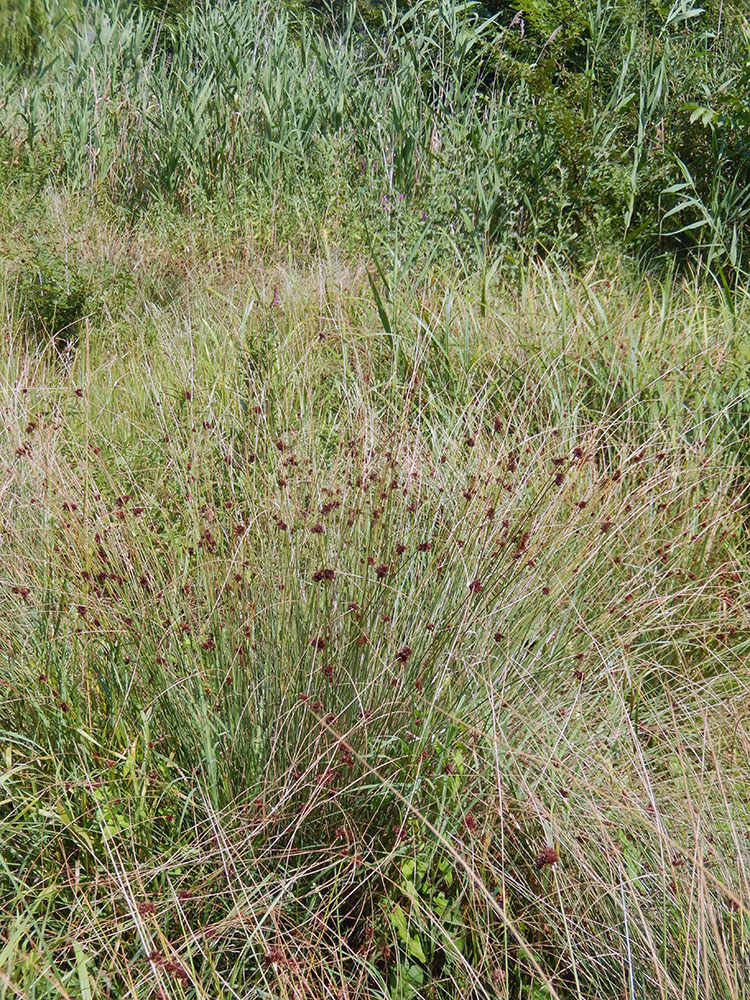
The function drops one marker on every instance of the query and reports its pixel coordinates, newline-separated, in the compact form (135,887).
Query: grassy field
(374,607)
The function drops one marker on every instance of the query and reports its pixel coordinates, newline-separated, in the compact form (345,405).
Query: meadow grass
(367,640)
(374,502)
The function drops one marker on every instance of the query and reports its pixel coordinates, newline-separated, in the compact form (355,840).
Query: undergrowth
(374,501)
(581,131)
(374,641)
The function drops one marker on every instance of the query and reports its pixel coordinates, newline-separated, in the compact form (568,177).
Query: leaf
(385,321)
(415,975)
(414,948)
(413,944)
(83,972)
(681,11)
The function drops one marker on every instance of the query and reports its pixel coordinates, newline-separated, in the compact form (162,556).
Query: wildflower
(323,574)
(177,970)
(548,856)
(498,978)
(381,571)
(476,586)
(403,655)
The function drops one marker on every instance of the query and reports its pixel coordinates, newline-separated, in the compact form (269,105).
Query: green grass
(611,134)
(229,774)
(374,502)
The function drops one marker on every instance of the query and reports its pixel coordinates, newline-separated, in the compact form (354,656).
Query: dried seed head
(548,856)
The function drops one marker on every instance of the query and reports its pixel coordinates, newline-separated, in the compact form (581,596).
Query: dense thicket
(569,127)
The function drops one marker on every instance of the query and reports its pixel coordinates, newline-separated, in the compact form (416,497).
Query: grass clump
(389,662)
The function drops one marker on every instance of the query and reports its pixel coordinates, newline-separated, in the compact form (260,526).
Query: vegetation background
(373,500)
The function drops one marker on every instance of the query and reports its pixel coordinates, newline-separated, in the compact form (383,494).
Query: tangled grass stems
(327,670)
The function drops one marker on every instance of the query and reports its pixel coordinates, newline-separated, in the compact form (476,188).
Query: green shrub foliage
(568,127)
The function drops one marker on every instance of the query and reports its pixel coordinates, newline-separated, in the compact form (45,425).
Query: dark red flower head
(548,856)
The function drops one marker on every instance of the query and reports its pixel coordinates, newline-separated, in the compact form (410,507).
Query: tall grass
(379,647)
(373,508)
(431,116)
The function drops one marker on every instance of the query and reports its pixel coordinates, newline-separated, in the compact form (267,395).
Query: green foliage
(499,138)
(23,24)
(55,289)
(52,297)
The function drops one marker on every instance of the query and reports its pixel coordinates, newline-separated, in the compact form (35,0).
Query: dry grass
(355,663)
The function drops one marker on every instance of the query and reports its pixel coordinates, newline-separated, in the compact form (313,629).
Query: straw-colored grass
(370,645)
